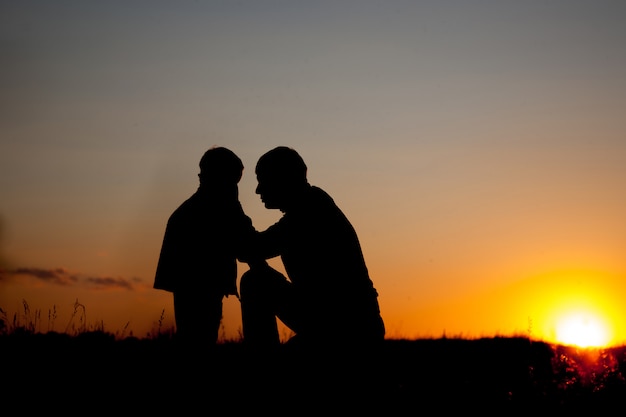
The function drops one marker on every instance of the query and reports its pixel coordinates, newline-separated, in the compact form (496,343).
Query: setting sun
(578,307)
(583,330)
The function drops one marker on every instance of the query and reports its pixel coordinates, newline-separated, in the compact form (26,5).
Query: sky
(478,148)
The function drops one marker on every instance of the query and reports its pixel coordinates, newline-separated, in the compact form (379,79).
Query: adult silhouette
(327,298)
(198,261)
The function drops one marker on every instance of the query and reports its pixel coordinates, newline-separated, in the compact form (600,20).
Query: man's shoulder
(319,199)
(319,194)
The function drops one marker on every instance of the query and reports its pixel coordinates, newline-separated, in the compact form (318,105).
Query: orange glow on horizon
(571,307)
(564,306)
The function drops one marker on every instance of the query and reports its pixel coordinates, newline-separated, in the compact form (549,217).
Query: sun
(582,329)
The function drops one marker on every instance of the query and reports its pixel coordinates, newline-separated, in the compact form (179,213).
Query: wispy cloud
(63,277)
(58,276)
(111,282)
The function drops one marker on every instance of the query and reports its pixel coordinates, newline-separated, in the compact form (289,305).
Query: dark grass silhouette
(95,372)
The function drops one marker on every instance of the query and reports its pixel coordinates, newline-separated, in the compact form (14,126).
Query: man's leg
(263,290)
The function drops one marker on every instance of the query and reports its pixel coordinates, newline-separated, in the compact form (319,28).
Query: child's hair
(220,164)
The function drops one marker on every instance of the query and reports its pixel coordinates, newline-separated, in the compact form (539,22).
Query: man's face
(271,191)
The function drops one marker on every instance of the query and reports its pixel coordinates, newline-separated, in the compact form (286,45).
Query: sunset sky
(478,147)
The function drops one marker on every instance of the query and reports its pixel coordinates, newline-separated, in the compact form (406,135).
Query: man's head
(281,174)
(220,166)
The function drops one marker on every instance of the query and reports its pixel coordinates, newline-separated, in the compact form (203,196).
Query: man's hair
(220,164)
(284,164)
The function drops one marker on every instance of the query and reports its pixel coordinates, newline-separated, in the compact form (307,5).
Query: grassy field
(94,371)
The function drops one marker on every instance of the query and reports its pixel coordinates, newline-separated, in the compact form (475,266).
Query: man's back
(323,258)
(319,246)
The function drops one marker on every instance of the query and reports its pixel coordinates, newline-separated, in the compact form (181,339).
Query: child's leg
(198,317)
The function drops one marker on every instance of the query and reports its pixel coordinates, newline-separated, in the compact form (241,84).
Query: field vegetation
(89,369)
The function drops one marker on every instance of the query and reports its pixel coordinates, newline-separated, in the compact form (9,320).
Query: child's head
(220,165)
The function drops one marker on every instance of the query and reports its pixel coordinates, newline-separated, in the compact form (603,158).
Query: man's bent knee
(250,283)
(260,280)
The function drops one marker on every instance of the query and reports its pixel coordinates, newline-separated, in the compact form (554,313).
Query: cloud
(63,277)
(57,276)
(111,282)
